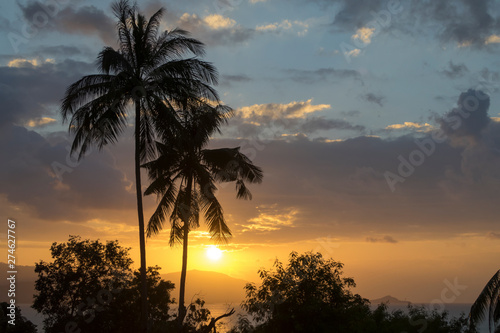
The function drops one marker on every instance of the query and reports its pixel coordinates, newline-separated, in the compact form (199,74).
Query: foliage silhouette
(309,294)
(148,70)
(90,286)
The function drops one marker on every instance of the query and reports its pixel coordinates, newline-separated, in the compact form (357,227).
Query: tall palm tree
(488,302)
(184,176)
(149,70)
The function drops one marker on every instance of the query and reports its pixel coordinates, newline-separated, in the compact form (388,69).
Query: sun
(214,253)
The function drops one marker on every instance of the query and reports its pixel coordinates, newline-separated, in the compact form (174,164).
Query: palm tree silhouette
(184,176)
(488,302)
(149,71)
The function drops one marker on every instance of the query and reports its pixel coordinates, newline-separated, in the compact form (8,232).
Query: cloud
(39,122)
(86,20)
(364,34)
(213,29)
(41,178)
(228,80)
(322,75)
(290,120)
(352,53)
(21,62)
(469,118)
(463,23)
(385,239)
(299,27)
(493,235)
(217,22)
(454,71)
(492,39)
(372,98)
(270,218)
(44,83)
(411,125)
(314,124)
(273,111)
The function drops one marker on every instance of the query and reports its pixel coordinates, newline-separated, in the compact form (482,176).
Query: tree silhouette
(90,287)
(184,178)
(149,71)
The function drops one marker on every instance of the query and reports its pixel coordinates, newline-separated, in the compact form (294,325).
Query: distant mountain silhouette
(213,287)
(388,300)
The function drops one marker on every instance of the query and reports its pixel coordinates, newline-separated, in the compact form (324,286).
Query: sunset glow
(214,253)
(376,125)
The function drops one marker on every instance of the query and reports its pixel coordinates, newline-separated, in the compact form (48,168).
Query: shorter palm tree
(184,176)
(488,302)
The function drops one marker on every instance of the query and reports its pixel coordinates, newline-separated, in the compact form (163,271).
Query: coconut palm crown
(149,71)
(184,176)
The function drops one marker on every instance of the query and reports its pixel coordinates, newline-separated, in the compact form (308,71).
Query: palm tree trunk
(186,213)
(142,241)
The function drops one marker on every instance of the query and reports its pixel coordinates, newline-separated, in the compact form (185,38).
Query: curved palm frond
(155,224)
(229,164)
(487,301)
(214,218)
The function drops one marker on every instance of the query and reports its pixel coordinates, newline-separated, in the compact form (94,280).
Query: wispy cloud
(384,239)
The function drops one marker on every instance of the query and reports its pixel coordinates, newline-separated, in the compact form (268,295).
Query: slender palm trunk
(142,241)
(186,213)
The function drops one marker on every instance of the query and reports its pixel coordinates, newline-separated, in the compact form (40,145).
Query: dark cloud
(385,239)
(357,13)
(373,98)
(322,75)
(86,20)
(219,31)
(351,113)
(344,187)
(493,235)
(30,92)
(469,118)
(41,177)
(61,51)
(463,22)
(314,124)
(228,80)
(454,71)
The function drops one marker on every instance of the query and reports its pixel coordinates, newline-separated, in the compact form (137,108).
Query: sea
(217,309)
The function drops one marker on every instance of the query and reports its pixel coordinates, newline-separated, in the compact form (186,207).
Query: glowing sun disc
(214,253)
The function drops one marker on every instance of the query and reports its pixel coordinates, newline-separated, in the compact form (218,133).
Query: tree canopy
(90,286)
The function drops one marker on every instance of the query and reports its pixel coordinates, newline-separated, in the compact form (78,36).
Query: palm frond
(214,218)
(168,189)
(487,301)
(112,61)
(98,122)
(85,89)
(229,164)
